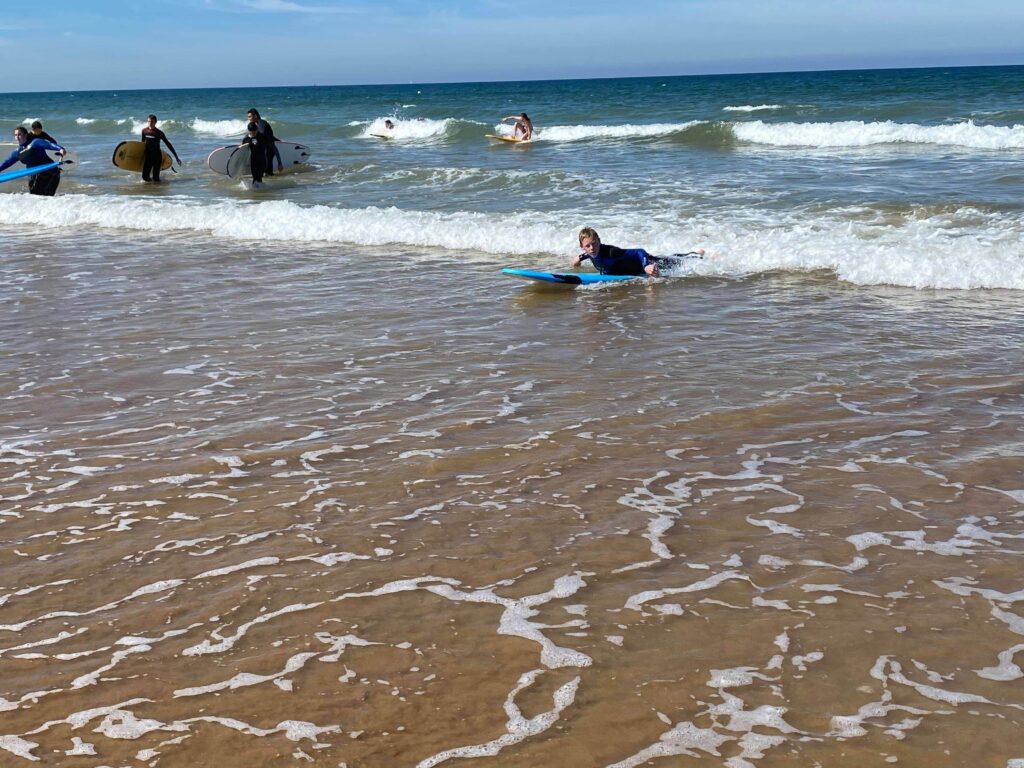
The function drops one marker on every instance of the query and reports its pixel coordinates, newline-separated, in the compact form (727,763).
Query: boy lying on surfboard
(611,260)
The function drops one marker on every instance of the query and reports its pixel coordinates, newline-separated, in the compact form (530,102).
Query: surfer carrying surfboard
(153,157)
(523,128)
(32,152)
(268,141)
(611,260)
(257,153)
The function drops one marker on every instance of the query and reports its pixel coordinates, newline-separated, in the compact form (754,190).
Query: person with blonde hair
(612,260)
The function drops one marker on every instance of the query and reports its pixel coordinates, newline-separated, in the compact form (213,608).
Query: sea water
(294,475)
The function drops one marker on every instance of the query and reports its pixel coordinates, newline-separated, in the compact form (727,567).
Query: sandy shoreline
(277,509)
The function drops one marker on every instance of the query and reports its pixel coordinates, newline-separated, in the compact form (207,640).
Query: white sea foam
(218,127)
(169,125)
(856,133)
(418,129)
(750,108)
(960,249)
(19,746)
(584,132)
(683,739)
(519,727)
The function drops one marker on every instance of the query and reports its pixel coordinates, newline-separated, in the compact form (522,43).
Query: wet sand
(274,506)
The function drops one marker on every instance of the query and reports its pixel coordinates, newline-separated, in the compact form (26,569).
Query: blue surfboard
(566,278)
(19,174)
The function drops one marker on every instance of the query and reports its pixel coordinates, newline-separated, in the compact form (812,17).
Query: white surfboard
(239,163)
(218,159)
(293,156)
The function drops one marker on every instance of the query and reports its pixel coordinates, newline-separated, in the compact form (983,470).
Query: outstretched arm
(11,160)
(44,144)
(171,147)
(649,264)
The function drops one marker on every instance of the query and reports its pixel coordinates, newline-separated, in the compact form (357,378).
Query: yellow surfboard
(509,139)
(129,155)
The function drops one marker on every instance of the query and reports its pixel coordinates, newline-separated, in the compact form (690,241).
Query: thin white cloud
(287,6)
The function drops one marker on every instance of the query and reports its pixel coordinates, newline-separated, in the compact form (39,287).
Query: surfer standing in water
(152,157)
(611,260)
(257,153)
(39,133)
(32,152)
(268,140)
(523,128)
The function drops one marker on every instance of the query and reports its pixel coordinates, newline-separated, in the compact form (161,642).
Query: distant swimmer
(611,260)
(39,133)
(268,141)
(523,128)
(153,157)
(32,152)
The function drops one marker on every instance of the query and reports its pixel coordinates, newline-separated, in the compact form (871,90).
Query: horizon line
(524,80)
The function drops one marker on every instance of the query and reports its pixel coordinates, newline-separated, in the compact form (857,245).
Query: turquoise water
(833,170)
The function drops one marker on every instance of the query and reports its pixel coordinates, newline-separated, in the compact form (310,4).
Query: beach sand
(274,508)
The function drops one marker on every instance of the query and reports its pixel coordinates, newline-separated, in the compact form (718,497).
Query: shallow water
(274,502)
(295,475)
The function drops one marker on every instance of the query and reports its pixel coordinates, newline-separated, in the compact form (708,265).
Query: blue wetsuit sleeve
(44,144)
(11,160)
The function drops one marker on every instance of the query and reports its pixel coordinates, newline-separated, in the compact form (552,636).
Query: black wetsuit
(269,139)
(257,156)
(611,260)
(153,157)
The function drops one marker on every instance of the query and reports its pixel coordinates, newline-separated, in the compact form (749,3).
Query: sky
(116,44)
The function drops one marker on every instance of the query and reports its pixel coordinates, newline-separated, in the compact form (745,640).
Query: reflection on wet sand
(282,512)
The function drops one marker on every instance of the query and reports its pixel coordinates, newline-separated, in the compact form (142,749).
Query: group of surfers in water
(522,128)
(34,144)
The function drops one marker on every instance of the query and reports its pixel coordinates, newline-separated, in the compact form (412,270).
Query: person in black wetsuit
(32,152)
(611,260)
(257,153)
(153,158)
(39,133)
(268,141)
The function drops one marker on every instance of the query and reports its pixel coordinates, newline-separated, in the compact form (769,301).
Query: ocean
(294,475)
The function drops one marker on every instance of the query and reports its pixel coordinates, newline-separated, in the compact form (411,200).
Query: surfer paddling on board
(153,158)
(523,128)
(268,141)
(611,260)
(32,152)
